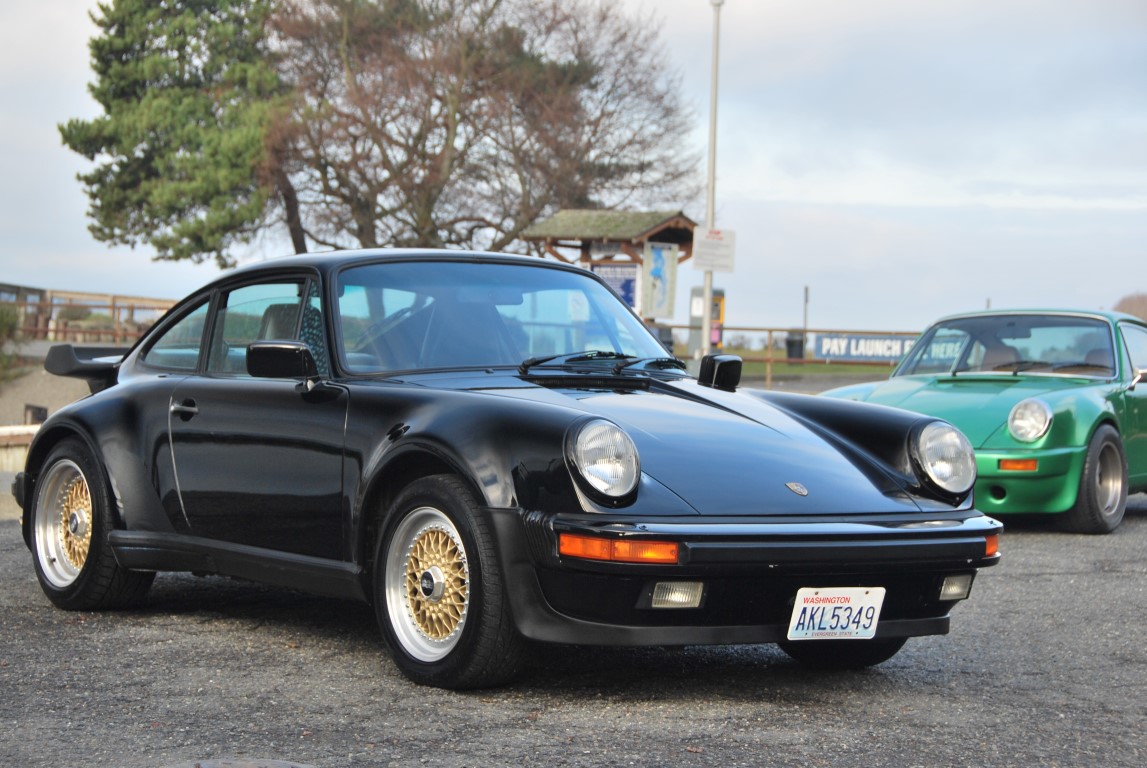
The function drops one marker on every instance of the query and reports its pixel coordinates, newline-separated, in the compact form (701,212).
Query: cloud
(907,103)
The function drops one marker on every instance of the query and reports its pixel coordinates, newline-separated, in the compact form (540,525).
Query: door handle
(185,410)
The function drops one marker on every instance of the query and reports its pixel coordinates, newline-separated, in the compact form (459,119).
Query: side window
(1136,340)
(178,347)
(253,313)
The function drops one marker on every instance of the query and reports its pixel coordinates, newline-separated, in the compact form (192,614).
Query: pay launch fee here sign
(842,346)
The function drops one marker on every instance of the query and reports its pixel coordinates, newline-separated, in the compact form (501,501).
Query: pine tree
(188,93)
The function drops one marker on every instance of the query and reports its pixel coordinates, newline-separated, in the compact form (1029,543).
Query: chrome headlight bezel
(605,460)
(943,458)
(1029,420)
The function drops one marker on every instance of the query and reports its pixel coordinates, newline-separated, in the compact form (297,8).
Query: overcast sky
(902,159)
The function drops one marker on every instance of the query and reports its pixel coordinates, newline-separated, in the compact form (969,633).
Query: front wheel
(842,654)
(71,519)
(438,590)
(1102,497)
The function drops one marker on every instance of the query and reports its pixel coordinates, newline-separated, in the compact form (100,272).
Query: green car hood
(977,405)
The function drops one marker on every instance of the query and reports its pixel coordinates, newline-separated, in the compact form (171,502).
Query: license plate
(836,613)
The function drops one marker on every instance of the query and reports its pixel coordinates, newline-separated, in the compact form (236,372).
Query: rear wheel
(71,519)
(842,654)
(438,590)
(1102,498)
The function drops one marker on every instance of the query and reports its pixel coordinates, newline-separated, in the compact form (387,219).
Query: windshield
(404,316)
(1014,344)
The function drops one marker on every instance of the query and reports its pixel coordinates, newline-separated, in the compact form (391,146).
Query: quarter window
(178,347)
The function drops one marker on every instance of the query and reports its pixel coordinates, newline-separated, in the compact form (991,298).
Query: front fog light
(956,587)
(677,594)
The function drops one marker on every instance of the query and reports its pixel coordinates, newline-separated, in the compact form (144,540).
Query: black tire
(71,518)
(842,654)
(1102,498)
(439,595)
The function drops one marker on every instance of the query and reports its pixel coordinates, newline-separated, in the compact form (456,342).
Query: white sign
(713,249)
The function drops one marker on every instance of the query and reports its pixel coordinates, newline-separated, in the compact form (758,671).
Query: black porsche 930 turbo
(494,452)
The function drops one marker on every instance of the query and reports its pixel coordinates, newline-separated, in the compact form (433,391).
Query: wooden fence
(773,346)
(86,318)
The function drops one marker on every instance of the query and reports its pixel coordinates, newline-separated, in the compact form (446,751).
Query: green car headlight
(606,458)
(1029,420)
(945,457)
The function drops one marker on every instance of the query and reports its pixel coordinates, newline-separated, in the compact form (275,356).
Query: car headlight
(1029,420)
(946,457)
(606,458)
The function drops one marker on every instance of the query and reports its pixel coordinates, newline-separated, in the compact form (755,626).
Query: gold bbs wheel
(427,584)
(63,523)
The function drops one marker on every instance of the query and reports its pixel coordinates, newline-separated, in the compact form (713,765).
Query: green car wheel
(1102,486)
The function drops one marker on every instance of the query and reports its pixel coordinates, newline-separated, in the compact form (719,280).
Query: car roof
(1098,314)
(327,261)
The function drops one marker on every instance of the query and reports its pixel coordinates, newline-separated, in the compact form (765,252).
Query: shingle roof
(589,224)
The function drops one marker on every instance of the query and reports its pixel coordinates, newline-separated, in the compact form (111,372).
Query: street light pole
(711,194)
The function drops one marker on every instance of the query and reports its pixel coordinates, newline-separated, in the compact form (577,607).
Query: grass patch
(812,368)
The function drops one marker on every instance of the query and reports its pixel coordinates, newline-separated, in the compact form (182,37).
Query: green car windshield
(1011,344)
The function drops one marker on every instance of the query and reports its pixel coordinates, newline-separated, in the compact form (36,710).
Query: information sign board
(849,346)
(713,249)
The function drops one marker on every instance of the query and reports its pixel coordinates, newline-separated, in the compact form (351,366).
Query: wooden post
(769,362)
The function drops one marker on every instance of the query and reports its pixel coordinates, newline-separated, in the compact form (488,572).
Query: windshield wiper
(1023,365)
(660,362)
(571,357)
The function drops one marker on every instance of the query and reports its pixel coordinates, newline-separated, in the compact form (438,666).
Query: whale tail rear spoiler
(99,366)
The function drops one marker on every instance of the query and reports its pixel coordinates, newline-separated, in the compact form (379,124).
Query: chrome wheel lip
(1108,481)
(63,524)
(401,611)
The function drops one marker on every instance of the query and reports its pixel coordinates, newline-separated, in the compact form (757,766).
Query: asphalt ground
(1045,666)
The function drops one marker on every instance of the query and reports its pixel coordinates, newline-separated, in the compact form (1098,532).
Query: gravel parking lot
(1045,666)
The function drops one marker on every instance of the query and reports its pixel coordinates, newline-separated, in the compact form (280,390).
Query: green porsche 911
(1052,401)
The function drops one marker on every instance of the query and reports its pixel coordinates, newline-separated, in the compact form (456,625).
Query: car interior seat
(999,357)
(466,334)
(280,321)
(1100,358)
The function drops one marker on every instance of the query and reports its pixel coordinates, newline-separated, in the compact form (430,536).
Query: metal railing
(774,350)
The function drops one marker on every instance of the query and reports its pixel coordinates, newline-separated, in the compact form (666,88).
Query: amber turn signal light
(992,545)
(1019,465)
(617,550)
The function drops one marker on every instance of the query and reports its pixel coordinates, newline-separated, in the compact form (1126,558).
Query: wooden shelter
(590,236)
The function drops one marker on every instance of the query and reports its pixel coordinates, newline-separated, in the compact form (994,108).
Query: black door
(259,462)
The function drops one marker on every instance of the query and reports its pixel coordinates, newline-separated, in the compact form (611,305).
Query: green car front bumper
(1051,487)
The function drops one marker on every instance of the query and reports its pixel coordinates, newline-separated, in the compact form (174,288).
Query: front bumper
(751,569)
(1052,487)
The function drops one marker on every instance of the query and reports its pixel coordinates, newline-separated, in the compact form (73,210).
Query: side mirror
(720,372)
(282,360)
